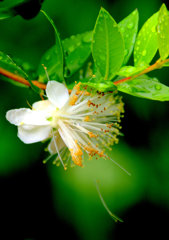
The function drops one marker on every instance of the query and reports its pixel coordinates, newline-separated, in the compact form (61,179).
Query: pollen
(92,135)
(87,119)
(77,155)
(77,86)
(73,100)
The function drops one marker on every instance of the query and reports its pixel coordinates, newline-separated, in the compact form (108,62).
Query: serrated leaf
(145,87)
(128,28)
(107,45)
(52,59)
(163,32)
(146,42)
(77,49)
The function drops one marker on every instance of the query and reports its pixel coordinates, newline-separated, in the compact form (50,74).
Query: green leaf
(8,64)
(107,45)
(102,86)
(128,28)
(77,49)
(128,71)
(52,59)
(145,87)
(163,32)
(146,42)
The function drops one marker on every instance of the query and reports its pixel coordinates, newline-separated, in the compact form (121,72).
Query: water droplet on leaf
(47,57)
(158,87)
(87,38)
(130,25)
(71,48)
(144,53)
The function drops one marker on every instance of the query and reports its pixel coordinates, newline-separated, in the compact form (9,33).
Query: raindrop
(78,44)
(87,38)
(158,87)
(144,53)
(129,70)
(47,57)
(106,16)
(71,48)
(130,25)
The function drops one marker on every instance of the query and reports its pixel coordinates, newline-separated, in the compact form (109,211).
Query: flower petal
(57,93)
(45,107)
(26,116)
(42,105)
(57,140)
(32,134)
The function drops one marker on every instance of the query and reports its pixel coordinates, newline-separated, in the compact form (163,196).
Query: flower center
(55,118)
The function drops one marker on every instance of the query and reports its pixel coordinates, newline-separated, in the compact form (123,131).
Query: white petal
(57,93)
(60,144)
(26,116)
(32,134)
(42,105)
(45,107)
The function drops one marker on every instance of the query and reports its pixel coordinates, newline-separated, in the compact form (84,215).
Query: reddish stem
(21,79)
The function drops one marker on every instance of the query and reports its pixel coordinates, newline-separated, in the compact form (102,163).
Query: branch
(158,64)
(21,79)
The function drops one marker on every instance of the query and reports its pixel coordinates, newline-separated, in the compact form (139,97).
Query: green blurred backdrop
(40,201)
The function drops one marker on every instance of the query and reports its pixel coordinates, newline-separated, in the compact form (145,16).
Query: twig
(21,79)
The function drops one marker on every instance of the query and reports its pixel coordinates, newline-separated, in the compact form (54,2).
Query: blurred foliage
(143,150)
(76,198)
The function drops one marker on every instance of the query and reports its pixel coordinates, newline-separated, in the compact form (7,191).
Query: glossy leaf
(77,49)
(107,45)
(163,32)
(128,71)
(146,42)
(52,60)
(128,28)
(8,64)
(101,86)
(145,87)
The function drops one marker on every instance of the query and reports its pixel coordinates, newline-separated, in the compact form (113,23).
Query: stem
(158,64)
(21,79)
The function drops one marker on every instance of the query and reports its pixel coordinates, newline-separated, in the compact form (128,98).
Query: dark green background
(41,201)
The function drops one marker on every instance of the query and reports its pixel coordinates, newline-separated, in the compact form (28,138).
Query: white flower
(79,124)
